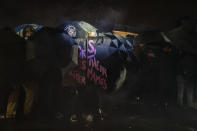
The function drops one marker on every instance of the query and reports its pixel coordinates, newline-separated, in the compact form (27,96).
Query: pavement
(129,117)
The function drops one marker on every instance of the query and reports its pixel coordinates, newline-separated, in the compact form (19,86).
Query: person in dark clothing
(186,79)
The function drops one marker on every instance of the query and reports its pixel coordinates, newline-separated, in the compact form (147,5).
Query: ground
(130,117)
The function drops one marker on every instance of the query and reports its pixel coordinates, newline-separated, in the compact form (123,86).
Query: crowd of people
(168,63)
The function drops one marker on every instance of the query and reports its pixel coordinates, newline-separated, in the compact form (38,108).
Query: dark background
(159,14)
(147,14)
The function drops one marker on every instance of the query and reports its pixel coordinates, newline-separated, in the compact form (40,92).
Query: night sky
(158,14)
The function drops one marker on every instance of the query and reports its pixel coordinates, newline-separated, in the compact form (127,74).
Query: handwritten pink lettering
(79,78)
(96,78)
(96,72)
(91,50)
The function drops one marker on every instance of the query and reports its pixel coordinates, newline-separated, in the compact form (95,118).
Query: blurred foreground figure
(37,61)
